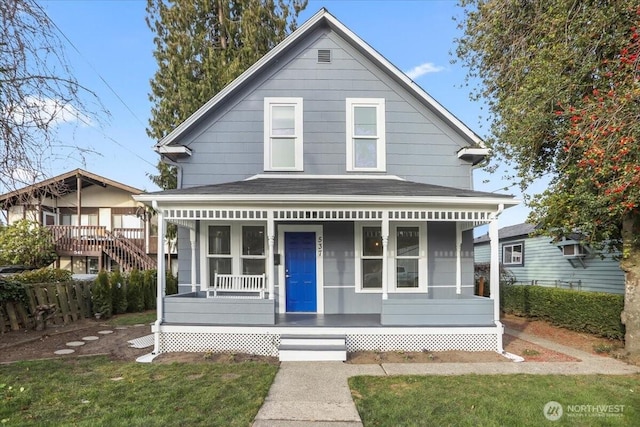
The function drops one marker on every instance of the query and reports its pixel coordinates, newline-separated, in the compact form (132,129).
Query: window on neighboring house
(283,134)
(513,254)
(126,221)
(575,250)
(366,134)
(85,219)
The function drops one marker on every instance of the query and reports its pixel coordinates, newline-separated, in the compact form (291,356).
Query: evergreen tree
(200,47)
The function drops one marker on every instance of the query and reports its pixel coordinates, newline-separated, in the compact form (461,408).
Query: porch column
(271,237)
(494,271)
(458,258)
(385,257)
(79,201)
(192,242)
(161,279)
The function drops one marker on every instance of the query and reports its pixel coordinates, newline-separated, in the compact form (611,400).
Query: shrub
(12,291)
(593,312)
(149,289)
(44,275)
(101,295)
(118,293)
(135,294)
(171,283)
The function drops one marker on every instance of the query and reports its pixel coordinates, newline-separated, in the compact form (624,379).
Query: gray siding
(193,308)
(229,145)
(545,265)
(418,311)
(442,260)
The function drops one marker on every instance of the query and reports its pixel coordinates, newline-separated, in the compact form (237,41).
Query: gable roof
(517,230)
(61,185)
(322,17)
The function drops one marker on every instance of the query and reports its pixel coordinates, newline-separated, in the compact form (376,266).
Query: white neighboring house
(95,222)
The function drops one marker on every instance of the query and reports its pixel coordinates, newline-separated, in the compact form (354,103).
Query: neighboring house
(323,193)
(95,222)
(541,260)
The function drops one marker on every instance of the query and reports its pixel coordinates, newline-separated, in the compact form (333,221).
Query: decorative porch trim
(470,218)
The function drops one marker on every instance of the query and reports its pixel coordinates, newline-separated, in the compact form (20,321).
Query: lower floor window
(235,249)
(406,256)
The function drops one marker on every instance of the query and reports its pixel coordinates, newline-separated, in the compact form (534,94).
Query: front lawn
(98,392)
(497,400)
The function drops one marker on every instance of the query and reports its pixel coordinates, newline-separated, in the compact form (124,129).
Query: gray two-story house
(325,204)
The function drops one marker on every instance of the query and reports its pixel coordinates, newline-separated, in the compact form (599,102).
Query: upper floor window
(513,254)
(283,134)
(366,134)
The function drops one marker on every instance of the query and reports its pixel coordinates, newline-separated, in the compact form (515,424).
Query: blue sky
(112,54)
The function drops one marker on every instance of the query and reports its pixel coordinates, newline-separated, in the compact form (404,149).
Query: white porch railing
(237,284)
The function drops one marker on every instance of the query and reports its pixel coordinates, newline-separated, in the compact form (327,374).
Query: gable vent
(324,56)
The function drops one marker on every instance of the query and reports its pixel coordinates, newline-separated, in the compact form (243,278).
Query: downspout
(161,280)
(494,275)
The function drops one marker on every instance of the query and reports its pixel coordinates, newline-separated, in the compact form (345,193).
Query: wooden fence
(70,301)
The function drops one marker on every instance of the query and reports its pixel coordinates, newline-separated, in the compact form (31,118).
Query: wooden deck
(127,248)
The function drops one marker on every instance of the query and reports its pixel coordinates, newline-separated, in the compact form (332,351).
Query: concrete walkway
(316,393)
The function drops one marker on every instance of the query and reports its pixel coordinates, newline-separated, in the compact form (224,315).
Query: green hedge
(593,312)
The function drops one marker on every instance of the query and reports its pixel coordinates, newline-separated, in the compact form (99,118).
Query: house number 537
(320,246)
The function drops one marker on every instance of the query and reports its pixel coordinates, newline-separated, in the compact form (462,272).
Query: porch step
(298,348)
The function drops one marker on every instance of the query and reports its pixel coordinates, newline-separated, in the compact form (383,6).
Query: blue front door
(300,271)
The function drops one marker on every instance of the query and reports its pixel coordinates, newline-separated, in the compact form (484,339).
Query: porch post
(79,201)
(270,255)
(161,279)
(494,272)
(192,242)
(385,257)
(458,258)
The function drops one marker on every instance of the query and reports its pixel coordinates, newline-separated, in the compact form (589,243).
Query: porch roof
(331,189)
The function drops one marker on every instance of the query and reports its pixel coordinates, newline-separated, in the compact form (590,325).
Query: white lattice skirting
(266,343)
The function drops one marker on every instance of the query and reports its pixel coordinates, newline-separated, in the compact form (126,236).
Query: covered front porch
(381,270)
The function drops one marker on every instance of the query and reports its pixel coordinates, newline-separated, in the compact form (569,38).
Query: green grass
(128,319)
(99,392)
(498,400)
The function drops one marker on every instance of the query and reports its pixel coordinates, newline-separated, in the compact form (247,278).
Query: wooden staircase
(91,240)
(309,348)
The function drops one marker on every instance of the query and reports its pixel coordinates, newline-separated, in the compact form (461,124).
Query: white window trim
(379,103)
(423,273)
(423,264)
(511,245)
(297,103)
(235,248)
(358,257)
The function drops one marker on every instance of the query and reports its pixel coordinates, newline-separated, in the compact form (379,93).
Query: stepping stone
(120,328)
(106,332)
(137,325)
(90,338)
(117,379)
(75,343)
(64,351)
